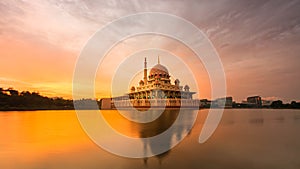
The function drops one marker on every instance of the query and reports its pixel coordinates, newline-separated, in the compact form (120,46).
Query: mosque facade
(155,90)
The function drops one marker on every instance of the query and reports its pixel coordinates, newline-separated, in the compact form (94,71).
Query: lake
(245,138)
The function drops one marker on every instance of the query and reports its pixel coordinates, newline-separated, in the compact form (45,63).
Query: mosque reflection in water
(178,123)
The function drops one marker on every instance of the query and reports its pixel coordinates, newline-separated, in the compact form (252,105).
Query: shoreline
(40,109)
(32,109)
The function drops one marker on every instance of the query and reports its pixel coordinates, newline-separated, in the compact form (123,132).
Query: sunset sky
(258,43)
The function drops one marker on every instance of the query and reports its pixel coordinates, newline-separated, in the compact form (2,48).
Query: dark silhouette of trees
(279,105)
(295,105)
(276,104)
(11,99)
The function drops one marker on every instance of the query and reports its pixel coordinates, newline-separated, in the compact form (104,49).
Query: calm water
(245,138)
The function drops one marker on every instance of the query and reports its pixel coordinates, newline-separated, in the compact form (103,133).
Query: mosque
(154,90)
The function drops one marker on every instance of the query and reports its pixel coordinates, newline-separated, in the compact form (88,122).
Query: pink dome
(159,69)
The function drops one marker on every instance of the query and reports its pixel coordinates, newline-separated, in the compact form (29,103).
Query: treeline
(11,99)
(278,104)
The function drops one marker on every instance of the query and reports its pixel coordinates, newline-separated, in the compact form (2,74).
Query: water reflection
(256,121)
(296,117)
(154,128)
(140,130)
(280,119)
(55,139)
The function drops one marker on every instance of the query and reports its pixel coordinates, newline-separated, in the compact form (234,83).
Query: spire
(158,59)
(145,71)
(145,63)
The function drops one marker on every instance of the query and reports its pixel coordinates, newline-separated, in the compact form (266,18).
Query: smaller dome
(132,88)
(186,88)
(177,82)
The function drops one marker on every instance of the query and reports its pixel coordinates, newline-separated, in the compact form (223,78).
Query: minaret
(158,59)
(145,72)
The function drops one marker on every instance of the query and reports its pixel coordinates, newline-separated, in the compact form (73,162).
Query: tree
(277,104)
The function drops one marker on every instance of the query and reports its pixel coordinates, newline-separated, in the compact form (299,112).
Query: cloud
(70,23)
(8,81)
(46,22)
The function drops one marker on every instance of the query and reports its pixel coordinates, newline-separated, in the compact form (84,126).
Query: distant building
(205,103)
(266,103)
(225,102)
(106,103)
(254,101)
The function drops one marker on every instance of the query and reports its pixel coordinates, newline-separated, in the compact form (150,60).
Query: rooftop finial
(158,59)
